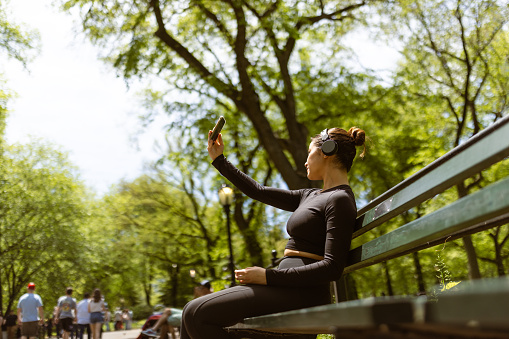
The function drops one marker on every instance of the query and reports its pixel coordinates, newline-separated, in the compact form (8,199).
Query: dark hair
(346,141)
(97,295)
(68,290)
(86,295)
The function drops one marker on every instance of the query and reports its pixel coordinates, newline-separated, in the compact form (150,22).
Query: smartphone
(217,128)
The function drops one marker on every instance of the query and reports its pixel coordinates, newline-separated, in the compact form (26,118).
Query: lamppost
(226,199)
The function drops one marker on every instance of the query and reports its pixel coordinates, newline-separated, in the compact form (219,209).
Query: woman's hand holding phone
(215,148)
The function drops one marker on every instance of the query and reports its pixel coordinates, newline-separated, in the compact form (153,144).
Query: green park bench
(475,309)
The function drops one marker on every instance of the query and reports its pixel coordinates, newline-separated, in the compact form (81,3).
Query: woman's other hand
(215,148)
(251,275)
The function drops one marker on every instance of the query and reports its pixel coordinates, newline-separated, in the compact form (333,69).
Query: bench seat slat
(470,308)
(490,202)
(480,304)
(366,313)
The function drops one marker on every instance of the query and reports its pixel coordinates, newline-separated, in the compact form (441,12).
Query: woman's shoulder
(341,195)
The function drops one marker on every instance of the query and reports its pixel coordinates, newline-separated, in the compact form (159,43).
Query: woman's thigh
(231,305)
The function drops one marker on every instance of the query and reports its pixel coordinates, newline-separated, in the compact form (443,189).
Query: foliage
(43,212)
(277,70)
(18,43)
(249,56)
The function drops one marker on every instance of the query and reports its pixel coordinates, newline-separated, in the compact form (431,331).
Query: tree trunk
(147,286)
(387,279)
(473,265)
(1,294)
(174,284)
(499,260)
(421,286)
(250,240)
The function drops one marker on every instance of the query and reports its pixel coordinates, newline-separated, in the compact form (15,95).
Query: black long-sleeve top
(322,223)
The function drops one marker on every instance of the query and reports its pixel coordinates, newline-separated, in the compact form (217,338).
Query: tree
(41,216)
(167,234)
(245,54)
(457,51)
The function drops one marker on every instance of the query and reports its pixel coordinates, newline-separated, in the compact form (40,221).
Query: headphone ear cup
(329,147)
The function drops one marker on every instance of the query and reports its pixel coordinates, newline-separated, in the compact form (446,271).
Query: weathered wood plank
(481,304)
(475,309)
(490,202)
(365,313)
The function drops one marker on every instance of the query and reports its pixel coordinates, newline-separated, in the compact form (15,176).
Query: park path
(131,334)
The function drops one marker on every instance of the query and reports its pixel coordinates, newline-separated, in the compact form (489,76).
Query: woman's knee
(190,309)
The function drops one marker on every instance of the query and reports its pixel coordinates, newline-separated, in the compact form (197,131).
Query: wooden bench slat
(478,304)
(365,313)
(490,202)
(491,146)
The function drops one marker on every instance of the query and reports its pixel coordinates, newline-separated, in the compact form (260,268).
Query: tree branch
(194,63)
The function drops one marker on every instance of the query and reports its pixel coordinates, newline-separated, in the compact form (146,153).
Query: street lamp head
(192,273)
(225,195)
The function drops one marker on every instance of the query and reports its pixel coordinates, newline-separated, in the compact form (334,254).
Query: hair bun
(358,136)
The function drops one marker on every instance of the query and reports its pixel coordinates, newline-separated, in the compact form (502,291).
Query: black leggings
(205,317)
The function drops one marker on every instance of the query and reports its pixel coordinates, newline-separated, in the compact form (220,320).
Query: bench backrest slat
(488,203)
(481,151)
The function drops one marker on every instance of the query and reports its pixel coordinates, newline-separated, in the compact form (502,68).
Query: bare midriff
(295,253)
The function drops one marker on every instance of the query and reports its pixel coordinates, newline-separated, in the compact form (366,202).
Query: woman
(320,230)
(95,308)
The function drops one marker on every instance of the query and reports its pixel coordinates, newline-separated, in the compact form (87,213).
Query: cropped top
(322,223)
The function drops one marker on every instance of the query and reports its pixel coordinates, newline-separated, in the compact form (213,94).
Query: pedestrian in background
(30,313)
(130,316)
(49,326)
(107,318)
(83,316)
(118,319)
(202,289)
(66,312)
(2,325)
(11,324)
(95,308)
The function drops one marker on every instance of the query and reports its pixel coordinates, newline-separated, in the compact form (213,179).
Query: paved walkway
(131,334)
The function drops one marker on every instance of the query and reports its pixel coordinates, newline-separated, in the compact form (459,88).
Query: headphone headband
(329,146)
(325,135)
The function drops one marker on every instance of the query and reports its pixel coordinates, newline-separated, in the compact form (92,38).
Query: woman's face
(314,163)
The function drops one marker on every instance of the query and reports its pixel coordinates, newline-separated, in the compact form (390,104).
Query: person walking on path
(65,316)
(96,309)
(11,324)
(30,313)
(118,319)
(83,316)
(107,318)
(2,325)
